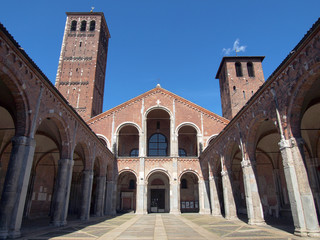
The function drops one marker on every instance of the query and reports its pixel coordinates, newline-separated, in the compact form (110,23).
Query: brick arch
(125,124)
(158,108)
(124,171)
(20,100)
(229,153)
(100,165)
(62,125)
(211,138)
(158,170)
(250,139)
(189,124)
(297,101)
(189,171)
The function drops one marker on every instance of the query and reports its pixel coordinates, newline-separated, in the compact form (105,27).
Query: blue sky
(177,43)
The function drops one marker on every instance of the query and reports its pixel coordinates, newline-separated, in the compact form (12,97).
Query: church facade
(62,157)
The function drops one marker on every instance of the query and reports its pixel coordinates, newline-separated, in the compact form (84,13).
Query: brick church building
(61,157)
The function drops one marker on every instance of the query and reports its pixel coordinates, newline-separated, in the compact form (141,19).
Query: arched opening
(75,199)
(189,193)
(126,192)
(310,133)
(250,69)
(158,193)
(158,133)
(128,141)
(92,25)
(7,131)
(270,174)
(73,25)
(44,171)
(238,69)
(238,184)
(187,141)
(83,26)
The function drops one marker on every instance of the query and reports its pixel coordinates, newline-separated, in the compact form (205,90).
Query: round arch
(210,138)
(156,107)
(126,191)
(128,139)
(105,139)
(191,124)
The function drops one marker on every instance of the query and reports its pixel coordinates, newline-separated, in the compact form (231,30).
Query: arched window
(184,183)
(250,69)
(83,25)
(134,152)
(158,145)
(73,25)
(92,25)
(182,152)
(238,69)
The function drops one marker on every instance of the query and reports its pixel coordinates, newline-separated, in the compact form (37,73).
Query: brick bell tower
(239,78)
(82,64)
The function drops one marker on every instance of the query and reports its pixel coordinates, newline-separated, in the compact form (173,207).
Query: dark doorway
(157,200)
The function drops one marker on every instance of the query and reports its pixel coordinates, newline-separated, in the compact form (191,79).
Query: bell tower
(82,64)
(239,79)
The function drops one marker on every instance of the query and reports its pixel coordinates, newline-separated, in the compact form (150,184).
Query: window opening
(250,69)
(238,69)
(83,25)
(182,152)
(134,152)
(234,88)
(92,25)
(244,95)
(73,25)
(158,125)
(158,145)
(80,44)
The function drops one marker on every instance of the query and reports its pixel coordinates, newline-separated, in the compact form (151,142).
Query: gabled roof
(157,90)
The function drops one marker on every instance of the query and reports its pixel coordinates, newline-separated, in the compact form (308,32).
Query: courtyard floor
(160,226)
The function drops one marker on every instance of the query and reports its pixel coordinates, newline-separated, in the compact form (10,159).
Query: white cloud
(236,48)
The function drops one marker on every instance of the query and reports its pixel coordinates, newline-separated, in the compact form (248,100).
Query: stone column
(215,203)
(15,186)
(100,190)
(110,199)
(140,209)
(254,206)
(86,194)
(229,204)
(300,195)
(204,197)
(174,189)
(61,192)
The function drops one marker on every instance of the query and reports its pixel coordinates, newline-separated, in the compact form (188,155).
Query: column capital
(23,140)
(245,163)
(284,144)
(224,173)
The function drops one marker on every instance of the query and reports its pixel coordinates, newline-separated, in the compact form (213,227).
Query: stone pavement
(159,227)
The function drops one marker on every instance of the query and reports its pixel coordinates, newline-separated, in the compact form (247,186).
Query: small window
(83,26)
(238,69)
(250,69)
(158,125)
(134,152)
(73,26)
(92,25)
(244,95)
(184,183)
(80,44)
(132,184)
(234,88)
(182,152)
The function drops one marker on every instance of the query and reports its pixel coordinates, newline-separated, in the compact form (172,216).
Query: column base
(3,234)
(176,211)
(141,212)
(300,232)
(260,222)
(205,211)
(14,234)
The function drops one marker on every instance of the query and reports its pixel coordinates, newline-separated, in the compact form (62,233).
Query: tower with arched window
(82,63)
(239,78)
